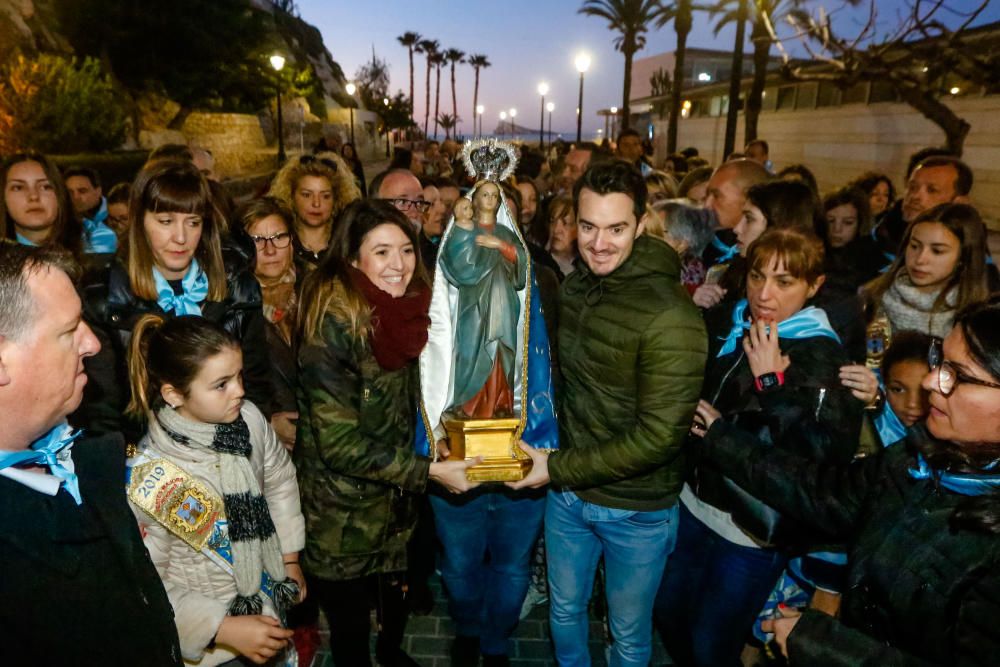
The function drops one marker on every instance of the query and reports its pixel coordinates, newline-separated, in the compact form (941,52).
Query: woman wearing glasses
(316,188)
(173,264)
(268,223)
(922,520)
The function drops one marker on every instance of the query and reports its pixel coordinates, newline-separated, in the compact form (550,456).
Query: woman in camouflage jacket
(364,322)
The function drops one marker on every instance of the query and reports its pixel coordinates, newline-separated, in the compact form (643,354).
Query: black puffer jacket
(112,310)
(812,415)
(920,592)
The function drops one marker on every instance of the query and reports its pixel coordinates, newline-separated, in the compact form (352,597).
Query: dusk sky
(527,41)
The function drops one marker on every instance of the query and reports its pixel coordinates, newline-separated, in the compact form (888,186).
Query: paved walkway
(428,639)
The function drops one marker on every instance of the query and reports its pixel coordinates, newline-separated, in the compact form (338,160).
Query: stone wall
(236,141)
(839,143)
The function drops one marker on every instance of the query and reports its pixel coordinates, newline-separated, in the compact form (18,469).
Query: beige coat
(199,590)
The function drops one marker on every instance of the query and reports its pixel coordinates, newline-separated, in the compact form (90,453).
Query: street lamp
(278,62)
(550,107)
(385,103)
(513,131)
(503,117)
(351,89)
(479,112)
(543,88)
(582,65)
(614,119)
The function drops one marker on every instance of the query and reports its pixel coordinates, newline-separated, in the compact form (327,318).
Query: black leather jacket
(112,310)
(920,590)
(812,415)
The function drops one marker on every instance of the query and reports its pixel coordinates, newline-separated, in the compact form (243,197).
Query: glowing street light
(278,62)
(550,107)
(503,117)
(582,65)
(543,88)
(479,112)
(351,89)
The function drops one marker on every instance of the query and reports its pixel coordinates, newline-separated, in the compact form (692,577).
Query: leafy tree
(659,84)
(631,20)
(454,56)
(372,80)
(398,114)
(447,122)
(55,105)
(410,41)
(428,47)
(478,62)
(202,54)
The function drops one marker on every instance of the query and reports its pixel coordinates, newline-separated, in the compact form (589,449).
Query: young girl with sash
(173,264)
(215,494)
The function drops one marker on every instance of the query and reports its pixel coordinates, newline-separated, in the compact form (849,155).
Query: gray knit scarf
(909,308)
(254,541)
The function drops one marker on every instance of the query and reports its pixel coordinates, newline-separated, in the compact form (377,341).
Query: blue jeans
(635,547)
(487,537)
(711,594)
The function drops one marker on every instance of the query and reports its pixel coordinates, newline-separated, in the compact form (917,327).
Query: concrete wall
(236,141)
(839,143)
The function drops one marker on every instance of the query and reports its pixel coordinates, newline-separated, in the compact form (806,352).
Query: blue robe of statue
(488,306)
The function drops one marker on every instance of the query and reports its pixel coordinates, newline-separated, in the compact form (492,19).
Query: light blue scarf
(890,429)
(98,238)
(962,484)
(24,241)
(728,251)
(807,323)
(195,286)
(45,451)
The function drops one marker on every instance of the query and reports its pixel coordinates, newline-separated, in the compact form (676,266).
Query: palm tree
(454,56)
(438,61)
(631,19)
(478,61)
(447,122)
(429,47)
(760,13)
(410,41)
(680,13)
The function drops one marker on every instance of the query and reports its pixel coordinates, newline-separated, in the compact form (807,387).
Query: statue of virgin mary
(487,354)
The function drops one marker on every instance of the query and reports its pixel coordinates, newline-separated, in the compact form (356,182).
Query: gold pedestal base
(493,439)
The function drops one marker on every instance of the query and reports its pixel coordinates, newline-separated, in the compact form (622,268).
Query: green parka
(358,473)
(632,351)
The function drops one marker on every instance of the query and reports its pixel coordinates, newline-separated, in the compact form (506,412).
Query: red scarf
(399,325)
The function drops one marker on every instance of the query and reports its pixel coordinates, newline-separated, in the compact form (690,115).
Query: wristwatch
(769,382)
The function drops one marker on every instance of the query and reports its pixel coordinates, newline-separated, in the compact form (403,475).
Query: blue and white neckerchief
(24,240)
(98,238)
(728,251)
(807,323)
(963,484)
(195,290)
(890,429)
(47,451)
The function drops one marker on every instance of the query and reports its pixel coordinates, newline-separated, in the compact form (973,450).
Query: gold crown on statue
(489,159)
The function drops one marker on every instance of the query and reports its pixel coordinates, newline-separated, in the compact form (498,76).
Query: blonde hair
(341,178)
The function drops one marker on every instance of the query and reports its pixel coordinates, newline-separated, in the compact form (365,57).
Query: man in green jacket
(632,356)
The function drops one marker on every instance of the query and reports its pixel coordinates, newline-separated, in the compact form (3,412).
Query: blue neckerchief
(98,238)
(890,429)
(962,484)
(44,451)
(23,241)
(194,284)
(807,323)
(728,251)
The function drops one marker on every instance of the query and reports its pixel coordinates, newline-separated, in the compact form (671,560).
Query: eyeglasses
(410,204)
(279,241)
(309,159)
(949,377)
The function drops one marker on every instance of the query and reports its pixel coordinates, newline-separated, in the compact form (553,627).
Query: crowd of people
(777,412)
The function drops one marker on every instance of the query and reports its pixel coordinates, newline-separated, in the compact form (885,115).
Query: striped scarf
(251,531)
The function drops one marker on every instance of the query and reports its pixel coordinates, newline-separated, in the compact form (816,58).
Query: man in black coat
(78,587)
